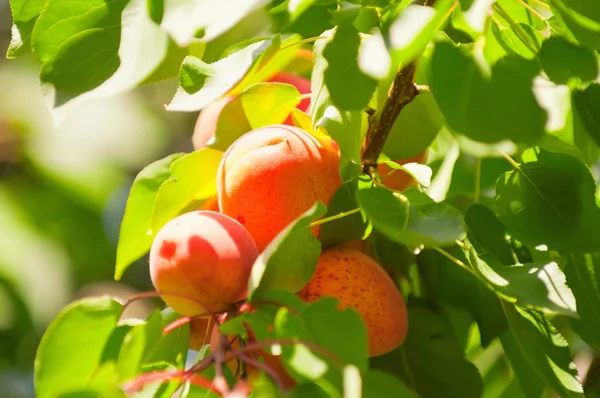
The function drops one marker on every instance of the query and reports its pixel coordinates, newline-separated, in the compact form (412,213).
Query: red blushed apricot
(400,180)
(208,118)
(206,258)
(271,175)
(357,281)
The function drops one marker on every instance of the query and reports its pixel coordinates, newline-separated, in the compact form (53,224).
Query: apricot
(206,258)
(399,180)
(208,118)
(211,203)
(271,175)
(357,281)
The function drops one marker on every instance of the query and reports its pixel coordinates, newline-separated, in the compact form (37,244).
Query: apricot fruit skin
(198,333)
(357,281)
(208,118)
(400,180)
(204,256)
(271,175)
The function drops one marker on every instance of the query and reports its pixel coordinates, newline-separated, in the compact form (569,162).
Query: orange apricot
(199,333)
(205,258)
(271,175)
(357,281)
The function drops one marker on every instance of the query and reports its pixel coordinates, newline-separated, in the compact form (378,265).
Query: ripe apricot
(211,203)
(205,257)
(399,180)
(198,333)
(208,118)
(357,281)
(271,175)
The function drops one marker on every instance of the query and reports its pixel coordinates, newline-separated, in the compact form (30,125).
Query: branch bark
(402,92)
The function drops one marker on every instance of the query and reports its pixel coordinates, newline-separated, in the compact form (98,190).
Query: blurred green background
(62,194)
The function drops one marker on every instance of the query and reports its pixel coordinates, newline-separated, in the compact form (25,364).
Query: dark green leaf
(78,44)
(347,228)
(584,279)
(349,88)
(73,345)
(545,350)
(201,83)
(431,360)
(586,105)
(289,261)
(134,240)
(529,380)
(488,235)
(191,178)
(345,127)
(550,199)
(539,286)
(415,221)
(563,60)
(262,104)
(378,384)
(486,108)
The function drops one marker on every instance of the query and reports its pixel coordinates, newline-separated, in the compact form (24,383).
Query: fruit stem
(336,217)
(402,92)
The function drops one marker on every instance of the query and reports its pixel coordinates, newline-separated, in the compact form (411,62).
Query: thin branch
(532,10)
(402,92)
(454,260)
(336,217)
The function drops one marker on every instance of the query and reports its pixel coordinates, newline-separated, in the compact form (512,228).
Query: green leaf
(563,60)
(488,234)
(545,350)
(378,384)
(186,20)
(348,228)
(550,199)
(518,39)
(24,15)
(584,279)
(78,44)
(529,380)
(585,15)
(487,107)
(431,359)
(289,261)
(191,178)
(262,104)
(134,240)
(414,28)
(349,88)
(345,127)
(201,83)
(540,286)
(586,105)
(415,128)
(413,222)
(73,345)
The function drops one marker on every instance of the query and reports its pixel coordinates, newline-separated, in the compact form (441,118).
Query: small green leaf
(550,199)
(262,104)
(420,172)
(540,286)
(78,44)
(431,360)
(415,221)
(201,83)
(73,346)
(24,15)
(345,229)
(545,349)
(290,259)
(134,239)
(486,108)
(563,60)
(191,178)
(349,88)
(584,279)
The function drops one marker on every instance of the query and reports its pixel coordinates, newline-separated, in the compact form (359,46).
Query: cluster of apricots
(266,179)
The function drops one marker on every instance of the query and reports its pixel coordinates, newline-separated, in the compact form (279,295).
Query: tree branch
(402,92)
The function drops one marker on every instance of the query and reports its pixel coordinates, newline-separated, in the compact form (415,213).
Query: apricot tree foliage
(494,245)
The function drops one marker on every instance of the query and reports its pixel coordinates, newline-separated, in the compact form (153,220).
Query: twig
(336,217)
(402,92)
(454,260)
(265,368)
(532,10)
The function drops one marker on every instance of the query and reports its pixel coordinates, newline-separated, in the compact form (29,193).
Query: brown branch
(402,92)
